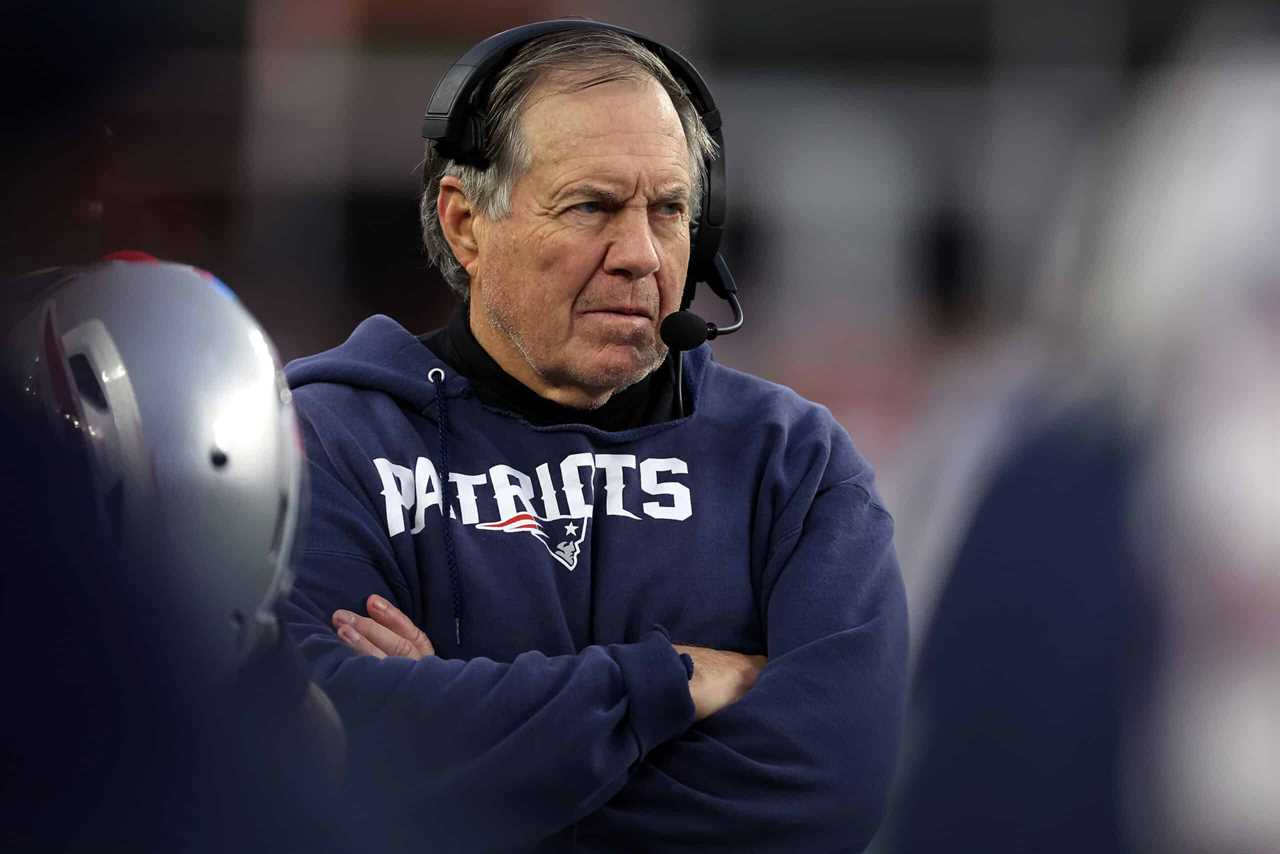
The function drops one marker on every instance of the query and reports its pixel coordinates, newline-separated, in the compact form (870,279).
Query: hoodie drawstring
(436,375)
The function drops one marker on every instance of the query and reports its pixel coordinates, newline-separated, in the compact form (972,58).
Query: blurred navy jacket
(1038,654)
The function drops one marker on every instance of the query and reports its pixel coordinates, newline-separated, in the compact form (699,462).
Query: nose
(633,249)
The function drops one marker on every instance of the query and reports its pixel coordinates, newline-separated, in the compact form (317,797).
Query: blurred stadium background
(893,165)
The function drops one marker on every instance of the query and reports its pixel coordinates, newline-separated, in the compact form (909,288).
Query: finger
(358,642)
(380,636)
(393,618)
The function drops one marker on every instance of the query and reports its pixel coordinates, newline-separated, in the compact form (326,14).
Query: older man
(512,521)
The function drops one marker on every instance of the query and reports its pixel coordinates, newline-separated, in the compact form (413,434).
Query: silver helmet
(175,397)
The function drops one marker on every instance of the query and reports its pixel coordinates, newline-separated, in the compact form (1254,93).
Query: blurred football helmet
(160,379)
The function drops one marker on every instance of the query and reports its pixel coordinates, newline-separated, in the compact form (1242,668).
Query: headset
(454,123)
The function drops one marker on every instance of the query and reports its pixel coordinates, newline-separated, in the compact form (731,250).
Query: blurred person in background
(152,487)
(156,704)
(514,517)
(1097,592)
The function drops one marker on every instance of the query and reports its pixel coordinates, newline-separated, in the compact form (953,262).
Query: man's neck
(650,401)
(504,350)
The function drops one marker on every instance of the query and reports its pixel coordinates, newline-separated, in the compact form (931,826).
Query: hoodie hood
(381,355)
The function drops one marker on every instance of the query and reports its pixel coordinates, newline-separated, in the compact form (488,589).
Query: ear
(457,220)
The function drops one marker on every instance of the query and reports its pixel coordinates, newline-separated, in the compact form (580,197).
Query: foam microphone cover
(683,330)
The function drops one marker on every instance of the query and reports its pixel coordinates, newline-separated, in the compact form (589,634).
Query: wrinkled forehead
(631,116)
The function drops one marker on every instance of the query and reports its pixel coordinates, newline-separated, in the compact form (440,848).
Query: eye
(670,209)
(594,207)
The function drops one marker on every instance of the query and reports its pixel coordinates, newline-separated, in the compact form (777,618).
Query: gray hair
(592,57)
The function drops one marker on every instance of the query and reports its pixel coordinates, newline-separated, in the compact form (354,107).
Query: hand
(386,631)
(720,678)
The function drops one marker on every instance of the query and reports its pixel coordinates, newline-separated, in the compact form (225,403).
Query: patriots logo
(412,496)
(561,537)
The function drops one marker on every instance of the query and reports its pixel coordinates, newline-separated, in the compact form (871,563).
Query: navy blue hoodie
(552,568)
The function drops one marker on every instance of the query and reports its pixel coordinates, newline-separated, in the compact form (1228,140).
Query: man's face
(568,291)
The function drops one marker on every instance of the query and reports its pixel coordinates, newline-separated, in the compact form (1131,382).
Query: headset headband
(453,122)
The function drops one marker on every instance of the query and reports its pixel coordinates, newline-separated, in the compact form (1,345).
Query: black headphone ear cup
(690,291)
(704,239)
(692,275)
(472,143)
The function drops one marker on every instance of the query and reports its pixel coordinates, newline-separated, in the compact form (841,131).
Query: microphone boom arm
(722,285)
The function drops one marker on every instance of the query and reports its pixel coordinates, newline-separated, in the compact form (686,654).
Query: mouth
(623,311)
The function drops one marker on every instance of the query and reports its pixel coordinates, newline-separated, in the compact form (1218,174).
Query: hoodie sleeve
(470,755)
(804,761)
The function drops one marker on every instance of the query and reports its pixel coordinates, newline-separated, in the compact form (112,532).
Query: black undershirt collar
(650,401)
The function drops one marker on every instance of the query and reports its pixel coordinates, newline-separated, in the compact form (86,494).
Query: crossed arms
(488,755)
(720,677)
